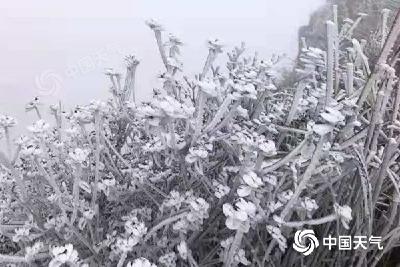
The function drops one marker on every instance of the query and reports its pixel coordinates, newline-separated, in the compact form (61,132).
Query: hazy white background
(73,41)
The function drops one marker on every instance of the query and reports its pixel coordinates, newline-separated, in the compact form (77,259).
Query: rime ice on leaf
(141,262)
(242,112)
(310,205)
(64,255)
(244,91)
(344,213)
(252,180)
(174,62)
(276,234)
(98,106)
(322,129)
(240,257)
(32,251)
(333,116)
(268,148)
(215,45)
(165,107)
(7,121)
(182,250)
(105,185)
(79,155)
(270,179)
(220,189)
(273,206)
(35,103)
(285,196)
(168,259)
(208,87)
(82,114)
(154,25)
(39,127)
(174,40)
(238,218)
(21,234)
(172,108)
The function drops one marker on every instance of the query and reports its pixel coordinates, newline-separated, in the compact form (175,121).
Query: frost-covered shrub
(216,170)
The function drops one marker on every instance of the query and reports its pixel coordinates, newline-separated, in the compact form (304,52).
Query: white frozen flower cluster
(154,25)
(240,257)
(166,107)
(195,217)
(134,232)
(310,205)
(56,222)
(220,189)
(22,233)
(7,121)
(197,153)
(32,251)
(79,155)
(215,45)
(174,201)
(277,235)
(311,58)
(83,114)
(64,255)
(29,148)
(172,108)
(241,90)
(282,199)
(267,147)
(182,250)
(39,128)
(238,217)
(321,129)
(251,182)
(253,141)
(208,87)
(98,106)
(168,259)
(141,262)
(252,179)
(105,184)
(344,214)
(33,104)
(333,116)
(73,132)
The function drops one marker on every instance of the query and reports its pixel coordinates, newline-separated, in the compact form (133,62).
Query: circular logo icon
(48,83)
(305,241)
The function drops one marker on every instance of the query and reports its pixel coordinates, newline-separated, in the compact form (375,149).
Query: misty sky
(61,49)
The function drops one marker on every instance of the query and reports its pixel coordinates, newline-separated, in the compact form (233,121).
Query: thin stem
(299,224)
(164,223)
(122,259)
(330,61)
(97,159)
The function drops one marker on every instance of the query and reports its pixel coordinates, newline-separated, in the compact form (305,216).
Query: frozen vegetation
(220,169)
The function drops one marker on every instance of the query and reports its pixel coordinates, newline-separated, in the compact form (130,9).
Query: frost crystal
(141,262)
(64,255)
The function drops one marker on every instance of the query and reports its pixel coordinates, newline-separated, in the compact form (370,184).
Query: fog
(59,50)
